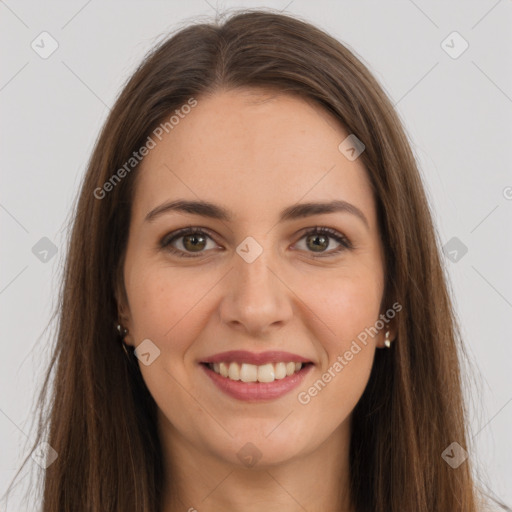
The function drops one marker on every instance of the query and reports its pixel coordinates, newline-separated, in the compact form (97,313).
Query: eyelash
(165,243)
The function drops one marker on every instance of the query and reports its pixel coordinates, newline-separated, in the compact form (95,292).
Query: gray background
(457,112)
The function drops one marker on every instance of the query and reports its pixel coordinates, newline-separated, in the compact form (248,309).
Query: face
(248,293)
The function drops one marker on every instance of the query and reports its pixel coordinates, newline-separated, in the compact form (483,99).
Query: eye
(194,241)
(190,239)
(317,240)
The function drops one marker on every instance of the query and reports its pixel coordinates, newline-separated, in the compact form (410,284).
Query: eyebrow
(297,211)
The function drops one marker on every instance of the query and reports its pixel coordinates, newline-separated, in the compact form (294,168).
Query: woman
(254,314)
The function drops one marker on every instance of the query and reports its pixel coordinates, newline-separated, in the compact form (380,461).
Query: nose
(256,298)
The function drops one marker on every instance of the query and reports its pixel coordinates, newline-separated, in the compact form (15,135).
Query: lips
(254,377)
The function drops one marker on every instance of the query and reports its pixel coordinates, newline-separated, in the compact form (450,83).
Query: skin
(254,153)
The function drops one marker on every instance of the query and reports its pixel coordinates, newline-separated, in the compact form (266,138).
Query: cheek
(348,305)
(347,358)
(165,302)
(151,299)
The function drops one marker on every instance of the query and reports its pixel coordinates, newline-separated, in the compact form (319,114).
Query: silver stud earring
(387,341)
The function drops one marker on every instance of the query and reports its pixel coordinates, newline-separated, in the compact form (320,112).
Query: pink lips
(256,391)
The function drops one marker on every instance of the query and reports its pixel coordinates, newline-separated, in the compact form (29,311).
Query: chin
(269,444)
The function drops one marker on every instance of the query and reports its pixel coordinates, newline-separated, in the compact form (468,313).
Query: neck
(199,481)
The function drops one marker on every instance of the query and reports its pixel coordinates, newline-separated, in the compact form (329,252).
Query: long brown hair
(101,418)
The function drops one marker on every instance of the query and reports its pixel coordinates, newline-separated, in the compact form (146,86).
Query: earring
(387,341)
(122,333)
(121,330)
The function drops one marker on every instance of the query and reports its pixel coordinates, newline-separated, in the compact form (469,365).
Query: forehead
(254,152)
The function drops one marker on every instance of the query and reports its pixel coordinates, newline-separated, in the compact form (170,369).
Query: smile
(254,377)
(252,373)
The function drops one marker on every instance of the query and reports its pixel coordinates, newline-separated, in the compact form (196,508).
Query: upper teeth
(252,373)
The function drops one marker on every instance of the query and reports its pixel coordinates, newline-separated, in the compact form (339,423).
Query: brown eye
(194,242)
(317,243)
(188,242)
(317,240)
